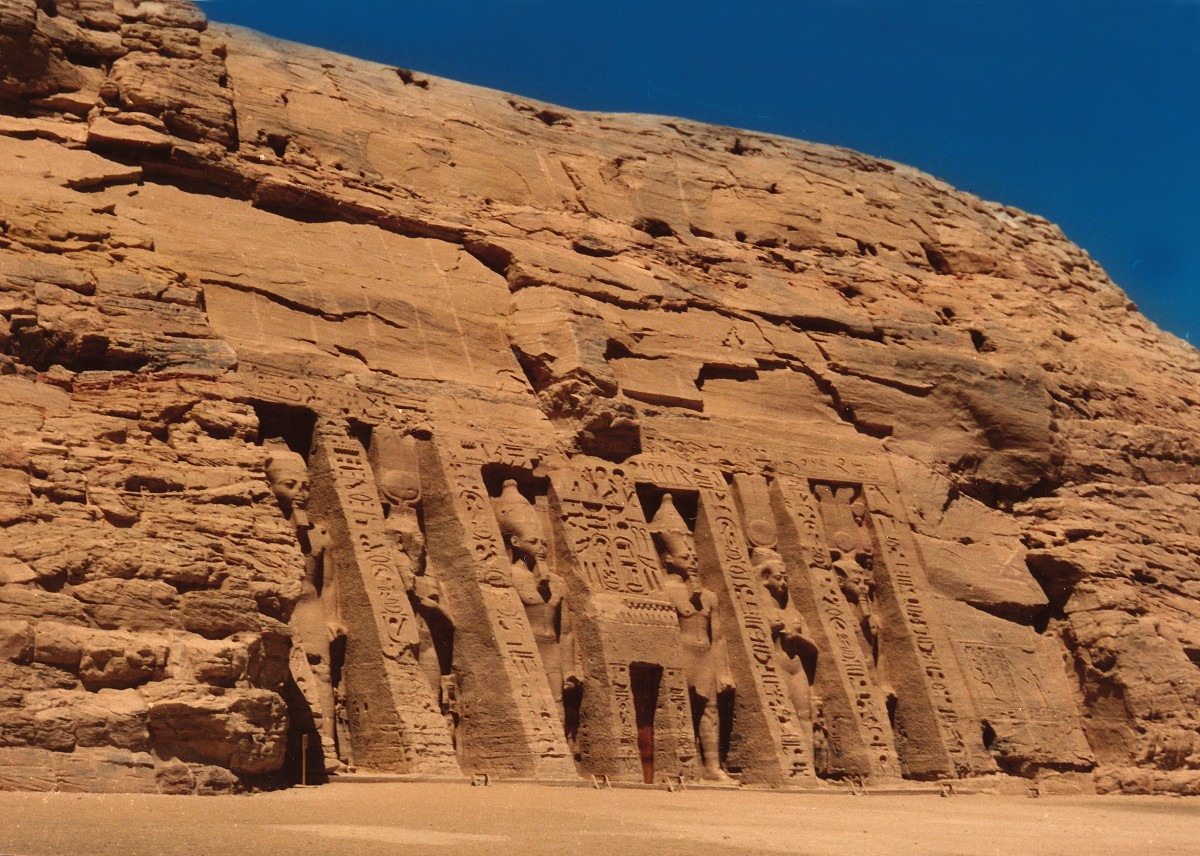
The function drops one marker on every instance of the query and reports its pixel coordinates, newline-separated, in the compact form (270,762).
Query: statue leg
(321,670)
(708,734)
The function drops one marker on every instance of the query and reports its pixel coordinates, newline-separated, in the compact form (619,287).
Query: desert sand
(530,819)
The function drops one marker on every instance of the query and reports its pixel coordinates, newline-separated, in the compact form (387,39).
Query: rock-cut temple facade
(356,420)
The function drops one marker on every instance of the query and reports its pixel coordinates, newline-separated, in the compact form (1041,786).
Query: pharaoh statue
(853,570)
(316,618)
(541,591)
(795,653)
(705,660)
(394,461)
(853,561)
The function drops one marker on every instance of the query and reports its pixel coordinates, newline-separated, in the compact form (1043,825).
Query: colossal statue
(795,652)
(542,592)
(316,617)
(397,476)
(705,660)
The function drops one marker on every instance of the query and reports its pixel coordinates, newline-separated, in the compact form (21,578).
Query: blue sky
(1084,111)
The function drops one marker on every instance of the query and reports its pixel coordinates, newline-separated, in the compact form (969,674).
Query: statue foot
(720,777)
(333,766)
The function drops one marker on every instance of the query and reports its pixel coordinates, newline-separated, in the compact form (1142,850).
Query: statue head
(770,566)
(674,541)
(288,474)
(400,487)
(522,527)
(393,456)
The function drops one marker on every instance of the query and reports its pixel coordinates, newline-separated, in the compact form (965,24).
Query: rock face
(351,416)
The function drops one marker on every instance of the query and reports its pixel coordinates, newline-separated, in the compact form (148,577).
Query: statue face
(291,489)
(681,559)
(774,578)
(530,542)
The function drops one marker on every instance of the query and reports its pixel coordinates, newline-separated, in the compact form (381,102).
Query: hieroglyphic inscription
(792,458)
(674,474)
(680,706)
(427,743)
(331,400)
(867,706)
(623,703)
(607,533)
(360,504)
(901,563)
(528,677)
(1011,692)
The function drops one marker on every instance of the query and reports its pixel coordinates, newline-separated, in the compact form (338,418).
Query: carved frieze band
(331,400)
(794,459)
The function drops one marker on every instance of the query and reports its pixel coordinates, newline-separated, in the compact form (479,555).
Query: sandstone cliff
(472,318)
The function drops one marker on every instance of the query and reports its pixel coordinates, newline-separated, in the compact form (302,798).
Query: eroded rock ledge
(463,434)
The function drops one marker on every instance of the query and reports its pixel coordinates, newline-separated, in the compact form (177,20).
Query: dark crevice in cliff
(1057,578)
(844,411)
(1017,613)
(937,260)
(492,256)
(709,371)
(915,390)
(298,306)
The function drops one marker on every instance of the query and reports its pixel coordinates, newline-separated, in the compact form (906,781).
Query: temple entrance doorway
(644,680)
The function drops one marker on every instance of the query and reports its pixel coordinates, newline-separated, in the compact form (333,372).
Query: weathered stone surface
(340,402)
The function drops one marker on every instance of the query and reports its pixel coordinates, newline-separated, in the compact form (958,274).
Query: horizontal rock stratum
(358,418)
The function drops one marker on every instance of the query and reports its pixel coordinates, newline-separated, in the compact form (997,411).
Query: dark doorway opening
(293,425)
(304,757)
(644,681)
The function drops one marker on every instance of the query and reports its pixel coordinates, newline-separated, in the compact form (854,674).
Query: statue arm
(331,602)
(427,594)
(719,651)
(566,640)
(407,578)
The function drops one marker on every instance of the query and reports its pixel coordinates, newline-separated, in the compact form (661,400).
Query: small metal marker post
(304,760)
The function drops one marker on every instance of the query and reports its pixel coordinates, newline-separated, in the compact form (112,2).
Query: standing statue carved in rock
(394,461)
(541,591)
(705,659)
(316,617)
(795,652)
(852,557)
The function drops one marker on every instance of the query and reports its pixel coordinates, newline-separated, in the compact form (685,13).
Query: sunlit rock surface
(571,394)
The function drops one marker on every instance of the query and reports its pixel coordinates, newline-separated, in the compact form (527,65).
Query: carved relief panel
(935,716)
(852,711)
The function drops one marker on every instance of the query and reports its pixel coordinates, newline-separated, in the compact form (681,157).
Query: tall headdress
(393,457)
(668,528)
(283,461)
(514,513)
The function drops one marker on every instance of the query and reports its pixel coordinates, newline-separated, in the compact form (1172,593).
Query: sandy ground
(529,819)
